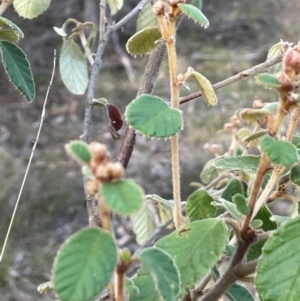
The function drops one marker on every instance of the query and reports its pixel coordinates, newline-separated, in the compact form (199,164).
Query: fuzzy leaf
(146,286)
(273,52)
(115,5)
(195,247)
(18,69)
(84,265)
(295,175)
(80,151)
(130,287)
(30,9)
(267,80)
(209,171)
(279,152)
(205,86)
(165,274)
(122,196)
(7,23)
(146,17)
(199,206)
(245,163)
(144,41)
(8,35)
(143,223)
(233,187)
(152,117)
(241,204)
(277,272)
(194,13)
(73,68)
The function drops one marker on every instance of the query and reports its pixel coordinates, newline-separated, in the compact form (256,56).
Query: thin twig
(4,6)
(154,235)
(130,15)
(30,159)
(242,75)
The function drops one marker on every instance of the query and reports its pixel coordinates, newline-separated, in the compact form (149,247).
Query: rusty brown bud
(99,153)
(159,8)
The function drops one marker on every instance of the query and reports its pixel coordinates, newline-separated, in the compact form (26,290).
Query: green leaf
(194,13)
(253,115)
(122,196)
(143,223)
(296,141)
(209,171)
(18,69)
(255,250)
(199,206)
(130,287)
(204,85)
(30,9)
(146,286)
(144,41)
(198,4)
(241,203)
(193,248)
(165,274)
(8,35)
(280,219)
(115,5)
(73,67)
(233,187)
(273,52)
(5,22)
(279,152)
(152,117)
(245,163)
(146,17)
(295,174)
(264,214)
(268,80)
(229,206)
(278,276)
(84,265)
(80,151)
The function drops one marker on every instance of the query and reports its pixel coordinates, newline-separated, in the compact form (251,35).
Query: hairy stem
(119,286)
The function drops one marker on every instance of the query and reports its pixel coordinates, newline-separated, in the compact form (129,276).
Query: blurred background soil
(52,205)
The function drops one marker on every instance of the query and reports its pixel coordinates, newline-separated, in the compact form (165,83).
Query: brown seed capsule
(159,8)
(99,153)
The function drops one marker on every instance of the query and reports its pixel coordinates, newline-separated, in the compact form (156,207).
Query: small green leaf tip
(194,13)
(80,151)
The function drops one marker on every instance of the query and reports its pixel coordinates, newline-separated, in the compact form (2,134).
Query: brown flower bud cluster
(102,168)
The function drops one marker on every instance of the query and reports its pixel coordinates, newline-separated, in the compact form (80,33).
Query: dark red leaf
(115,116)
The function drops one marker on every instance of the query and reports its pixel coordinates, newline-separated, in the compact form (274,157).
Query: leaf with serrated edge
(277,272)
(144,41)
(146,286)
(199,205)
(205,86)
(115,5)
(73,68)
(13,26)
(152,117)
(165,273)
(84,265)
(268,80)
(195,247)
(146,17)
(143,223)
(273,52)
(245,163)
(30,8)
(18,69)
(194,13)
(122,196)
(8,35)
(283,153)
(80,151)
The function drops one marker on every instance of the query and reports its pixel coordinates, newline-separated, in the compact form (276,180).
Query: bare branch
(242,75)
